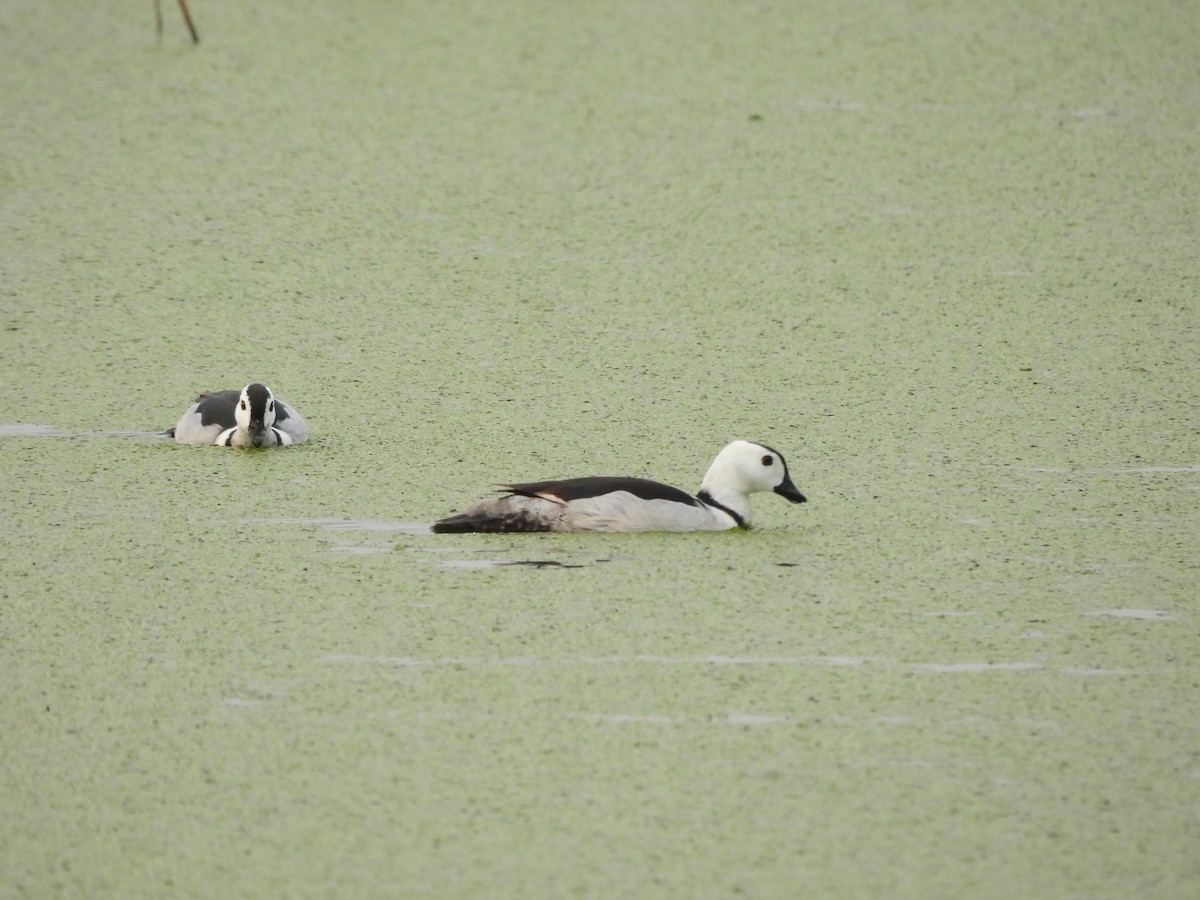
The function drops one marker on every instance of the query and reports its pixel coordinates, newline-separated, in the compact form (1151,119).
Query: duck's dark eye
(271,407)
(243,404)
(767,460)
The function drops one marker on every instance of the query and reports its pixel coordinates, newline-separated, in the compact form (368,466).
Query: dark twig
(187,18)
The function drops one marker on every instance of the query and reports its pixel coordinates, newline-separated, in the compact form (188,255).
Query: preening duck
(251,417)
(635,504)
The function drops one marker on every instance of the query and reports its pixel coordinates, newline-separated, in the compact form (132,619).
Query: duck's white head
(743,468)
(255,413)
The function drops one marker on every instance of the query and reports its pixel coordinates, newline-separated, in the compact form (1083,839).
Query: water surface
(943,258)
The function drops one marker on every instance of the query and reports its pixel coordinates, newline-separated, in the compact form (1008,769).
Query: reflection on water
(622,718)
(29,431)
(751,719)
(354,537)
(733,718)
(371,525)
(714,660)
(978,667)
(374,537)
(18,429)
(463,662)
(497,563)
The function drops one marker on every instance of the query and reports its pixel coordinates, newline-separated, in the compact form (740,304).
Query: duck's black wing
(217,408)
(211,408)
(568,489)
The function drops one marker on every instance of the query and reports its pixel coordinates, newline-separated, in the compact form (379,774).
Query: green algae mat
(945,257)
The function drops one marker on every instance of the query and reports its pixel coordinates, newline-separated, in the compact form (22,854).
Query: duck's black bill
(789,492)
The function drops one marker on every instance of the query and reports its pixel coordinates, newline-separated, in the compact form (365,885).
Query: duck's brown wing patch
(569,489)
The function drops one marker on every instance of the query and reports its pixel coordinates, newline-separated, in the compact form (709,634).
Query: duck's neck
(725,488)
(734,504)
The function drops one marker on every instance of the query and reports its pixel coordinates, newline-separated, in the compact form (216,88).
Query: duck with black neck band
(635,504)
(251,418)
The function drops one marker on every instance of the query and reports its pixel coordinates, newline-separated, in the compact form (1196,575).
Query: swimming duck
(635,504)
(249,418)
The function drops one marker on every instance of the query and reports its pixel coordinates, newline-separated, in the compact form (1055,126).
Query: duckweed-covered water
(943,257)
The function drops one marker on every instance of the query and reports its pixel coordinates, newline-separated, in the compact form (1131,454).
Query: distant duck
(635,504)
(249,418)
